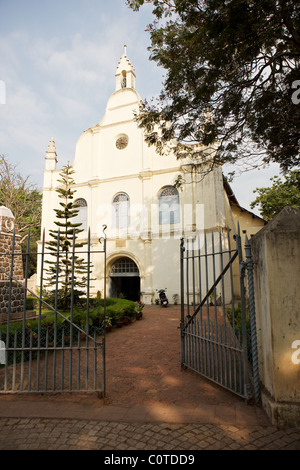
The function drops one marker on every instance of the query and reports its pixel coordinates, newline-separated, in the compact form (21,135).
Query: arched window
(120,211)
(81,217)
(169,209)
(124,267)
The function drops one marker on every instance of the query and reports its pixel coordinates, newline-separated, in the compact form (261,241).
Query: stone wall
(10,241)
(6,245)
(276,253)
(16,300)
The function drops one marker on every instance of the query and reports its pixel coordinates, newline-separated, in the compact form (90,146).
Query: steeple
(51,156)
(125,75)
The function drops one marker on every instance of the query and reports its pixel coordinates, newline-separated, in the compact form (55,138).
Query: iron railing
(218,335)
(48,349)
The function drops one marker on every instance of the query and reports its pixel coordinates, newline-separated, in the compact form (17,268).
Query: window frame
(118,216)
(78,218)
(168,217)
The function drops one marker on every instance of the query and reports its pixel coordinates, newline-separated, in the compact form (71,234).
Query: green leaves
(273,199)
(21,197)
(66,271)
(237,59)
(25,202)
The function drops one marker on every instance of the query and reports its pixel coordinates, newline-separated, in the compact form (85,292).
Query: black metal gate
(42,347)
(218,332)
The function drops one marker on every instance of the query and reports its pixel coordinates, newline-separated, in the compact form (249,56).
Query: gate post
(252,316)
(104,240)
(182,250)
(11,268)
(242,268)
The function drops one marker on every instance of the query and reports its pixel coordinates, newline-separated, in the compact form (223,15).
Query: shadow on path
(143,365)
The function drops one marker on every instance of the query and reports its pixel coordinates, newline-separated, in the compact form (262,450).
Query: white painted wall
(102,170)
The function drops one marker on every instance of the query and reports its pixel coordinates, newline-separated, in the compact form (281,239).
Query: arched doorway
(124,279)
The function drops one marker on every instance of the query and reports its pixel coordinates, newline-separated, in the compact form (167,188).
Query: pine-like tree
(67,273)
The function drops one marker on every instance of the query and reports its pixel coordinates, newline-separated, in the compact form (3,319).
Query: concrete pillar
(276,253)
(148,292)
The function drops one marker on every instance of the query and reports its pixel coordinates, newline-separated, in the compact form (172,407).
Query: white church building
(122,183)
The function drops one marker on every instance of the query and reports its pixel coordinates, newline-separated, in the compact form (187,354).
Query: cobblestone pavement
(73,434)
(151,405)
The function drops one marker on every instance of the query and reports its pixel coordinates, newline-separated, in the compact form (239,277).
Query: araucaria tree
(232,77)
(67,273)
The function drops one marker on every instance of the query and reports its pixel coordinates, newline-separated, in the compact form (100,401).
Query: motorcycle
(163,298)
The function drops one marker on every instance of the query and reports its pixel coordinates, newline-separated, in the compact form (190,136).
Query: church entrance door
(124,279)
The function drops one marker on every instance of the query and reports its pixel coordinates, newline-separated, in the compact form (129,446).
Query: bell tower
(51,156)
(125,75)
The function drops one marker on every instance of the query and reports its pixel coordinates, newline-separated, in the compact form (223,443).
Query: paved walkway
(151,404)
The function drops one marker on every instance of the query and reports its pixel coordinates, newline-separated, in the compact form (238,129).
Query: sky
(57,71)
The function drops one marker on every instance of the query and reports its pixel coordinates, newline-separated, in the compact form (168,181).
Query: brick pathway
(143,365)
(151,404)
(80,434)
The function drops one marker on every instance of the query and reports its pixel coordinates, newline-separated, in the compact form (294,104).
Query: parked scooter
(163,298)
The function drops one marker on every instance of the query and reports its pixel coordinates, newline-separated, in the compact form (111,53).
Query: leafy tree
(232,67)
(281,194)
(25,202)
(21,197)
(67,270)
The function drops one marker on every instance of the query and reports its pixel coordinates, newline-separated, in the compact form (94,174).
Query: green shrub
(31,302)
(116,310)
(238,318)
(238,326)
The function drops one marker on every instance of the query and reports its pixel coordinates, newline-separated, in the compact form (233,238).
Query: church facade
(124,184)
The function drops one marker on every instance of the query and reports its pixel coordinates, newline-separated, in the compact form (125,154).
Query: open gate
(218,332)
(45,348)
